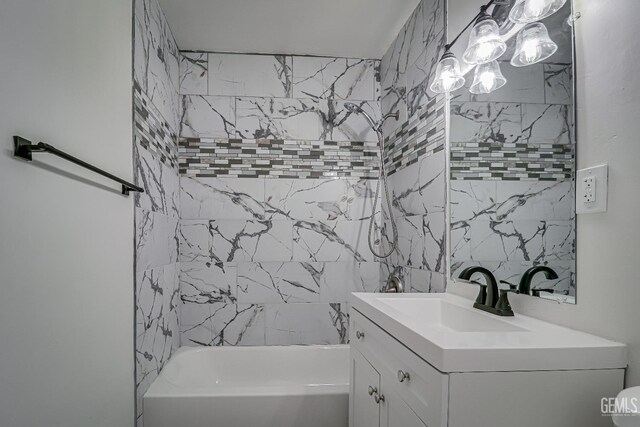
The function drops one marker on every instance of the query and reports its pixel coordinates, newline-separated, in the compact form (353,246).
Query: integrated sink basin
(443,314)
(452,336)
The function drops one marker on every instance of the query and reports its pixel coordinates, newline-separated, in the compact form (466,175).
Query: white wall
(608,107)
(66,246)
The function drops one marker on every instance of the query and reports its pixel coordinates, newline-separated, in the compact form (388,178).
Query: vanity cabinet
(391,386)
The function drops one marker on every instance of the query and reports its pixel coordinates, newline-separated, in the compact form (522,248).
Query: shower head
(353,108)
(356,109)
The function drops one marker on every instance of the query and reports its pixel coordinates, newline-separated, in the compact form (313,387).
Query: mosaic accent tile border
(277,158)
(152,131)
(421,136)
(511,161)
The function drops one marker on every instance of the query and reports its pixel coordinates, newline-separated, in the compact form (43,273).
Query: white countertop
(486,342)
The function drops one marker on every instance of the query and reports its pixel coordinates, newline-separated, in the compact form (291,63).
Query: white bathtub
(292,386)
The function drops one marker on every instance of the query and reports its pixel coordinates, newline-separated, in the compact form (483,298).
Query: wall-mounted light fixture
(533,45)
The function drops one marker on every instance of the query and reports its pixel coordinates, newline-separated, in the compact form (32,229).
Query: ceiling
(343,28)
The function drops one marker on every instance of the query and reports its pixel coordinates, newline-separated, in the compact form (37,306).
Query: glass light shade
(448,76)
(533,45)
(527,11)
(485,44)
(487,78)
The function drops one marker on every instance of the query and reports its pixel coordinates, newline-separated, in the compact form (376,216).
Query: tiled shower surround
(512,164)
(156,116)
(277,186)
(277,182)
(414,150)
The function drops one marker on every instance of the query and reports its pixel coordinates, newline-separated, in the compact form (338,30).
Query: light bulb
(448,76)
(485,43)
(533,45)
(487,78)
(484,51)
(530,50)
(534,8)
(448,80)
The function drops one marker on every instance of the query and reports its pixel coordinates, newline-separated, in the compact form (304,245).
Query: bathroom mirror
(512,163)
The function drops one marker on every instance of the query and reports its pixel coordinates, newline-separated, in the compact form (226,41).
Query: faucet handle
(503,307)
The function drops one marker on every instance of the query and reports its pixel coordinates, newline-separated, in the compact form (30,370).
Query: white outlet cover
(601,175)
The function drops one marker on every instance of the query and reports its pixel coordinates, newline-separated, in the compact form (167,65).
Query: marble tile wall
(277,182)
(509,226)
(407,67)
(419,195)
(156,118)
(272,261)
(523,131)
(414,151)
(512,165)
(277,97)
(156,59)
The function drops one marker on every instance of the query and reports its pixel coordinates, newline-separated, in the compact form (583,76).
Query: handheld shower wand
(377,127)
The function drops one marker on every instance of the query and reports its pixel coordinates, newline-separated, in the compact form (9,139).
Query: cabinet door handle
(402,376)
(372,390)
(359,335)
(379,398)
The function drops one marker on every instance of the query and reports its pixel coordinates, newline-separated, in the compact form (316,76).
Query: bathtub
(284,386)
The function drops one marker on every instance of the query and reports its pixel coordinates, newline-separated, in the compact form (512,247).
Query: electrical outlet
(592,190)
(589,185)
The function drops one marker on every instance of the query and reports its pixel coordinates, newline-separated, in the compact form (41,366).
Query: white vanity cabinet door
(426,391)
(394,411)
(363,409)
